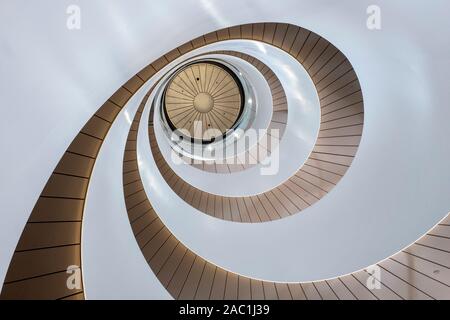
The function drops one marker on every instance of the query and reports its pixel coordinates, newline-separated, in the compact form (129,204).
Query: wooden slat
(46,235)
(218,287)
(193,279)
(206,282)
(231,286)
(55,209)
(422,282)
(51,286)
(360,291)
(341,291)
(379,290)
(310,291)
(296,291)
(35,263)
(325,291)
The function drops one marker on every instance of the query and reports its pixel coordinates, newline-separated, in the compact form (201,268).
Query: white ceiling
(52,80)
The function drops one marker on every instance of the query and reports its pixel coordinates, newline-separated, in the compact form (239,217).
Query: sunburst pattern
(204,99)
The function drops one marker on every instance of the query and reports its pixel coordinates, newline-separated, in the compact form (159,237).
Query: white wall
(52,80)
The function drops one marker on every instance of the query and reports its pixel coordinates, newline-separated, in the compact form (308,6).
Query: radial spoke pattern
(204,99)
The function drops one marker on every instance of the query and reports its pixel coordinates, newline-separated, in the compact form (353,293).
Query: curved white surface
(301,130)
(112,262)
(399,180)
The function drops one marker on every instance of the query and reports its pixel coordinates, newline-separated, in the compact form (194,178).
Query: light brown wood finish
(421,271)
(342,118)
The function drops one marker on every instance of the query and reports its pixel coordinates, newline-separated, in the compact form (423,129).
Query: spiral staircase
(140,203)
